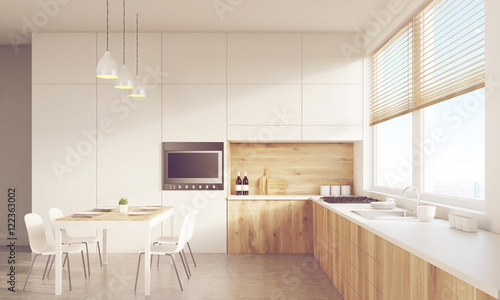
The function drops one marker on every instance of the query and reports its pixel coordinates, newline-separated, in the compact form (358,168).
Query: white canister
(324,190)
(335,190)
(345,190)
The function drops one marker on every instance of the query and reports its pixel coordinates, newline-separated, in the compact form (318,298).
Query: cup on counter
(426,213)
(345,190)
(324,190)
(335,190)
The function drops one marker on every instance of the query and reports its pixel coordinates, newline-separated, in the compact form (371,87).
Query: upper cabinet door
(263,58)
(194,58)
(331,58)
(64,58)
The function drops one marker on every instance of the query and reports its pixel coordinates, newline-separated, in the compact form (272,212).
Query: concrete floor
(218,276)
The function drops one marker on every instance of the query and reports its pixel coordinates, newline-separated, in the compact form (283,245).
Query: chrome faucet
(410,187)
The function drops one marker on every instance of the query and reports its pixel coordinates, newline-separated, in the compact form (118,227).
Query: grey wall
(15,136)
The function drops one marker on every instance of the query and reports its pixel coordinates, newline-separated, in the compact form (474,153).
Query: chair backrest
(183,233)
(56,213)
(191,225)
(36,233)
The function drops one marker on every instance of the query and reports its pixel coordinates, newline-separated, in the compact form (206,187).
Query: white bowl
(426,213)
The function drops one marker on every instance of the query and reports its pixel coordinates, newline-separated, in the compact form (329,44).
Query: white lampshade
(107,68)
(138,91)
(125,80)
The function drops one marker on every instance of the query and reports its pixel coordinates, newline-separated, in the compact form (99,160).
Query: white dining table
(149,218)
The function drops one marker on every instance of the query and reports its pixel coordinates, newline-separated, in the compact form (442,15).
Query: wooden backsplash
(304,166)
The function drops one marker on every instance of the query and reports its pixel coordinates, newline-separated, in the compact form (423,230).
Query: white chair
(173,240)
(40,246)
(170,250)
(56,213)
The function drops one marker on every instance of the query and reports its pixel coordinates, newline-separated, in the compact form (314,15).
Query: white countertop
(273,197)
(471,257)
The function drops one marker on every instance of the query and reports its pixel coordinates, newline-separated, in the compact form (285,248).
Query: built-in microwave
(193,166)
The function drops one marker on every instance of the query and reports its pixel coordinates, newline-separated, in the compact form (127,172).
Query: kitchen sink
(386,214)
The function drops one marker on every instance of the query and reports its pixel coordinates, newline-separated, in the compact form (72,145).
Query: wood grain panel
(270,226)
(363,265)
(304,166)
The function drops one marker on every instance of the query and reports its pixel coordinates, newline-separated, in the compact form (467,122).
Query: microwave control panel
(193,187)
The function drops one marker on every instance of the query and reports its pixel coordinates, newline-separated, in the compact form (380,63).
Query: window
(393,153)
(454,144)
(428,109)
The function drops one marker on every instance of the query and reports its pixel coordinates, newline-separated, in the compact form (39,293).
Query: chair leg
(137,275)
(51,263)
(46,265)
(88,259)
(69,272)
(175,267)
(187,274)
(29,272)
(99,250)
(83,261)
(151,261)
(64,262)
(191,253)
(185,259)
(158,261)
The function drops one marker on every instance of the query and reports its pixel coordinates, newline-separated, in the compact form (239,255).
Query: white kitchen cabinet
(263,58)
(267,133)
(210,231)
(332,133)
(271,105)
(63,148)
(149,55)
(194,58)
(339,105)
(331,58)
(194,113)
(64,58)
(129,155)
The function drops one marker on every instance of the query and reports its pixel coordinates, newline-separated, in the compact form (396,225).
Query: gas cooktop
(348,199)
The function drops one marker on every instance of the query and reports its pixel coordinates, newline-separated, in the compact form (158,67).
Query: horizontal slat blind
(391,78)
(447,60)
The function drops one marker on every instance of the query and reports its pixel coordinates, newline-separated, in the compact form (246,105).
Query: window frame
(417,173)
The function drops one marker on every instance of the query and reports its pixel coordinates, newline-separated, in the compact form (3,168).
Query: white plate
(150,207)
(89,213)
(108,207)
(138,213)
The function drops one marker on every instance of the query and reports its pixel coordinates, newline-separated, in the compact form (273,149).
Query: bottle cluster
(242,185)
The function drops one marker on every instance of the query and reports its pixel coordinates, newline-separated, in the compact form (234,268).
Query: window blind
(441,54)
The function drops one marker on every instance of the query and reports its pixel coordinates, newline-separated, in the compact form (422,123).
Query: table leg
(58,258)
(105,246)
(147,265)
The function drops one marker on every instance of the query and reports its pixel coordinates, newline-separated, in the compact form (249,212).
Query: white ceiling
(20,17)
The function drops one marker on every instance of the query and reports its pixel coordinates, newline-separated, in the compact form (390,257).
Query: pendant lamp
(138,90)
(107,68)
(125,80)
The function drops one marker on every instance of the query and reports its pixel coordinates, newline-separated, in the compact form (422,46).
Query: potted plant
(123,203)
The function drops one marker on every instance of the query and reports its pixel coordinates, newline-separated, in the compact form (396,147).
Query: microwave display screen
(193,165)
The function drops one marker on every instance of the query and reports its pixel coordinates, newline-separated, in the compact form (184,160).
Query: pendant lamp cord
(107,25)
(137,44)
(123,32)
